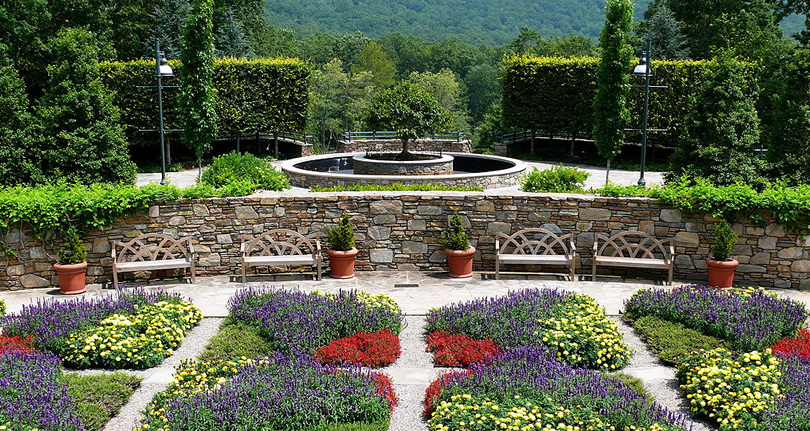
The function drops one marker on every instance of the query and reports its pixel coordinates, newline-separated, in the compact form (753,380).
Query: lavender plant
(300,393)
(748,321)
(533,375)
(299,322)
(789,412)
(31,395)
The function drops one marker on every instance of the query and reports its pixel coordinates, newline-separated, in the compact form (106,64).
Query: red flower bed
(435,389)
(794,346)
(459,350)
(386,389)
(377,349)
(21,344)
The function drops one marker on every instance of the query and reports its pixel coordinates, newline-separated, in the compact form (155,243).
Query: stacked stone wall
(399,232)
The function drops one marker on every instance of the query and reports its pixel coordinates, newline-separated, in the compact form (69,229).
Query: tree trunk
(607,173)
(405,149)
(238,139)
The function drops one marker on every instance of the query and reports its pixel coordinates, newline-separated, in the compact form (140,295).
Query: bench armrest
(671,252)
(497,246)
(318,245)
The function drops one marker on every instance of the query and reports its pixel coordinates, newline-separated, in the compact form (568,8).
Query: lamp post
(644,69)
(162,69)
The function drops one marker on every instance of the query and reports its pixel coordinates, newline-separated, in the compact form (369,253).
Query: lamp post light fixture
(644,69)
(162,69)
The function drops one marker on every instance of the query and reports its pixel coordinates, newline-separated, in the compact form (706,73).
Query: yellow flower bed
(582,335)
(732,389)
(466,413)
(379,300)
(139,340)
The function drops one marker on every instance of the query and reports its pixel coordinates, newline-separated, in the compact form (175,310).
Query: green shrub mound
(559,179)
(99,397)
(238,173)
(672,341)
(236,340)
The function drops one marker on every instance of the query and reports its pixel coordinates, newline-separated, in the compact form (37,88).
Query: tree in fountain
(411,111)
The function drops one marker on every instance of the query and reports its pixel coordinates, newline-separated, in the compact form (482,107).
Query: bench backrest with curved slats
(535,246)
(152,251)
(633,249)
(281,247)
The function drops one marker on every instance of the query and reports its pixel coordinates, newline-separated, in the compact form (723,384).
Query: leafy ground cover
(747,320)
(98,397)
(574,326)
(234,341)
(300,323)
(131,329)
(529,388)
(671,341)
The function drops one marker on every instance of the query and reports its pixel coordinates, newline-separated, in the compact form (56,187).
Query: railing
(521,136)
(349,136)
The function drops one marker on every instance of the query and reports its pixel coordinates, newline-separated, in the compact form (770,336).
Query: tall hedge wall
(555,95)
(252,95)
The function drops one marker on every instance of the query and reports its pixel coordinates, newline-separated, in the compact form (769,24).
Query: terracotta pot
(341,263)
(71,278)
(721,272)
(460,262)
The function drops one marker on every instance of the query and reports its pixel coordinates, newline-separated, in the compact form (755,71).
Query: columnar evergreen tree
(664,32)
(17,146)
(82,139)
(613,80)
(198,115)
(230,40)
(169,18)
(721,131)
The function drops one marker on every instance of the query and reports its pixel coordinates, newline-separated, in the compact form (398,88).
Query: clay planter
(460,262)
(341,263)
(721,272)
(71,278)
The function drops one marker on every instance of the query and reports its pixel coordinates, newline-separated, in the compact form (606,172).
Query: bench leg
(497,269)
(669,280)
(573,270)
(318,263)
(593,270)
(244,275)
(192,269)
(115,278)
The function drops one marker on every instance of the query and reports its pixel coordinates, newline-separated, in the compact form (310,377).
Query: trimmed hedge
(252,95)
(555,95)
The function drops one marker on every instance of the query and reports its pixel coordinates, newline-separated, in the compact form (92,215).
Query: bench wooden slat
(632,262)
(528,259)
(307,259)
(150,266)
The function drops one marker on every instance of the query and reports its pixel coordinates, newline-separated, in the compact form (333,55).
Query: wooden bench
(535,246)
(633,249)
(151,252)
(281,247)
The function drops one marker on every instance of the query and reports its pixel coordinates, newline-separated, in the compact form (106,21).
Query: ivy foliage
(613,79)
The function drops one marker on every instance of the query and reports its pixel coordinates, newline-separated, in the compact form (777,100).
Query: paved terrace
(414,370)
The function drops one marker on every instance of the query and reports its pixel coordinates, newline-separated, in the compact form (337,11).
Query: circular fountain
(451,169)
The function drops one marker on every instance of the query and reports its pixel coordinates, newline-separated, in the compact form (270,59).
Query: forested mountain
(473,21)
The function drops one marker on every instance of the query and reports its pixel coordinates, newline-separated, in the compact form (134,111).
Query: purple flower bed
(790,411)
(49,321)
(747,321)
(534,374)
(280,393)
(299,322)
(31,396)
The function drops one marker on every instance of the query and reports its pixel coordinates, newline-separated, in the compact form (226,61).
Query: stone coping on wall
(397,230)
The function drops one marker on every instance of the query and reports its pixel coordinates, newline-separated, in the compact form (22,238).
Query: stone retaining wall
(431,145)
(399,231)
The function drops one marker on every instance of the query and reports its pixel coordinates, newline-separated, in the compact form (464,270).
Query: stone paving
(422,291)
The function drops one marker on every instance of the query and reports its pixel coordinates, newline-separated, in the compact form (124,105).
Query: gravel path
(658,378)
(156,379)
(411,375)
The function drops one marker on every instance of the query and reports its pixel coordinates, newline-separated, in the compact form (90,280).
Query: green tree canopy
(448,92)
(613,80)
(197,99)
(82,138)
(664,33)
(721,131)
(18,161)
(409,110)
(373,59)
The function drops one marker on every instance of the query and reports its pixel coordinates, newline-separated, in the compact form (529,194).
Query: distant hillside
(474,21)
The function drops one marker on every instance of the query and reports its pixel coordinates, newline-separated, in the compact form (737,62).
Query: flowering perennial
(138,340)
(31,396)
(799,346)
(748,320)
(299,322)
(573,325)
(50,321)
(528,388)
(16,343)
(378,349)
(299,392)
(458,350)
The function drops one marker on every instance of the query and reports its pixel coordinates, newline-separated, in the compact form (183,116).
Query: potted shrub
(72,265)
(720,265)
(457,247)
(340,249)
